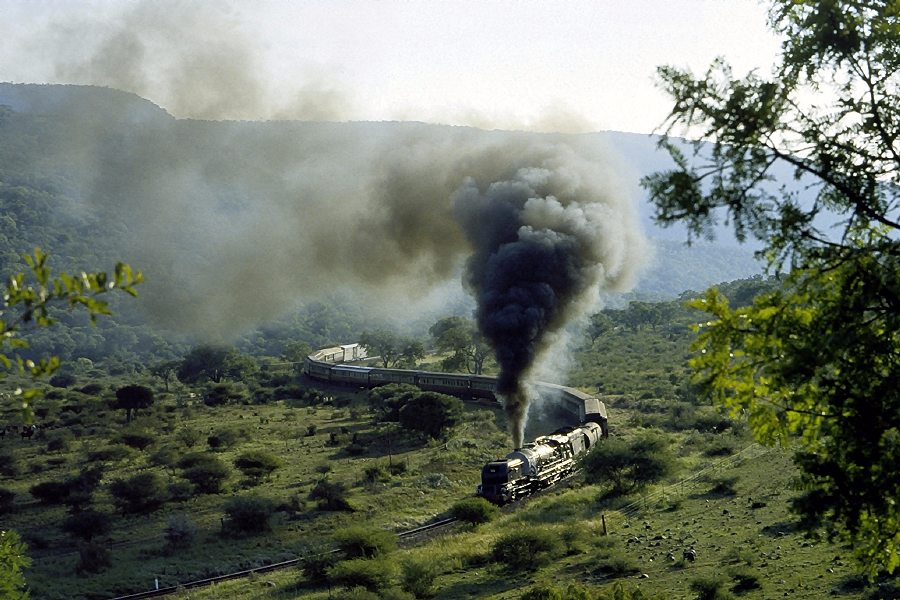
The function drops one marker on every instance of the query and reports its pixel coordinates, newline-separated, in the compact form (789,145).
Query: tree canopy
(460,337)
(816,361)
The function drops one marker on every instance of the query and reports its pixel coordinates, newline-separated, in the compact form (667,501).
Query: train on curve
(534,466)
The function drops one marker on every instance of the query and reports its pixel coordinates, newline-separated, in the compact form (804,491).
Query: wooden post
(603,520)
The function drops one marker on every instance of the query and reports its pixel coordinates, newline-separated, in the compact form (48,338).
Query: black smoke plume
(544,242)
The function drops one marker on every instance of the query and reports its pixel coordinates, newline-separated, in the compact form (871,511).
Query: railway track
(413,533)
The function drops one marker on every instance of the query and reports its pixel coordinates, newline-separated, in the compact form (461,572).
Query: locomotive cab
(499,479)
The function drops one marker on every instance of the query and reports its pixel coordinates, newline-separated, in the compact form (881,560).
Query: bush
(50,492)
(166,457)
(87,524)
(139,439)
(92,389)
(745,579)
(7,501)
(474,511)
(9,464)
(206,472)
(62,380)
(710,588)
(112,453)
(249,514)
(375,474)
(330,496)
(59,441)
(225,438)
(431,413)
(142,493)
(365,542)
(93,558)
(180,491)
(630,464)
(188,436)
(417,577)
(224,393)
(526,550)
(373,575)
(257,464)
(316,566)
(180,532)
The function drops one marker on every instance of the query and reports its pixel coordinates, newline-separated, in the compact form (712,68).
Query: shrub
(139,439)
(375,474)
(630,464)
(249,514)
(207,473)
(330,496)
(474,511)
(9,464)
(526,550)
(112,453)
(745,579)
(417,577)
(257,464)
(7,500)
(62,380)
(59,441)
(365,542)
(91,389)
(87,524)
(141,493)
(50,492)
(224,393)
(225,438)
(93,558)
(180,491)
(180,531)
(166,457)
(316,566)
(188,436)
(710,588)
(431,413)
(373,575)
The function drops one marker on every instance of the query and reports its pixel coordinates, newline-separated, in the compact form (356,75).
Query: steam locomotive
(537,465)
(525,470)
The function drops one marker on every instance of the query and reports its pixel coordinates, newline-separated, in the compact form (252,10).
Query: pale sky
(563,65)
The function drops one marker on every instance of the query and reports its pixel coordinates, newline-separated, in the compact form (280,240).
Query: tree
(599,324)
(206,472)
(215,363)
(459,336)
(257,464)
(629,464)
(132,398)
(28,303)
(817,361)
(165,370)
(431,413)
(141,493)
(382,343)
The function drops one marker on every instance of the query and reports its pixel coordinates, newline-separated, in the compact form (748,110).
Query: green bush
(9,464)
(257,464)
(87,524)
(93,558)
(316,566)
(417,577)
(474,511)
(371,574)
(225,438)
(140,439)
(365,542)
(91,389)
(526,550)
(180,531)
(630,464)
(112,453)
(431,413)
(7,501)
(206,472)
(59,441)
(249,514)
(710,588)
(50,492)
(63,380)
(330,496)
(141,493)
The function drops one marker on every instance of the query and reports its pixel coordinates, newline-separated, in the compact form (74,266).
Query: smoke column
(545,241)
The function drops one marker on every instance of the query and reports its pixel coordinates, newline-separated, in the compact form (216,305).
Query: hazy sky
(564,65)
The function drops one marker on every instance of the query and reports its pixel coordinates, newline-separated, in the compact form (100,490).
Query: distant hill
(96,174)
